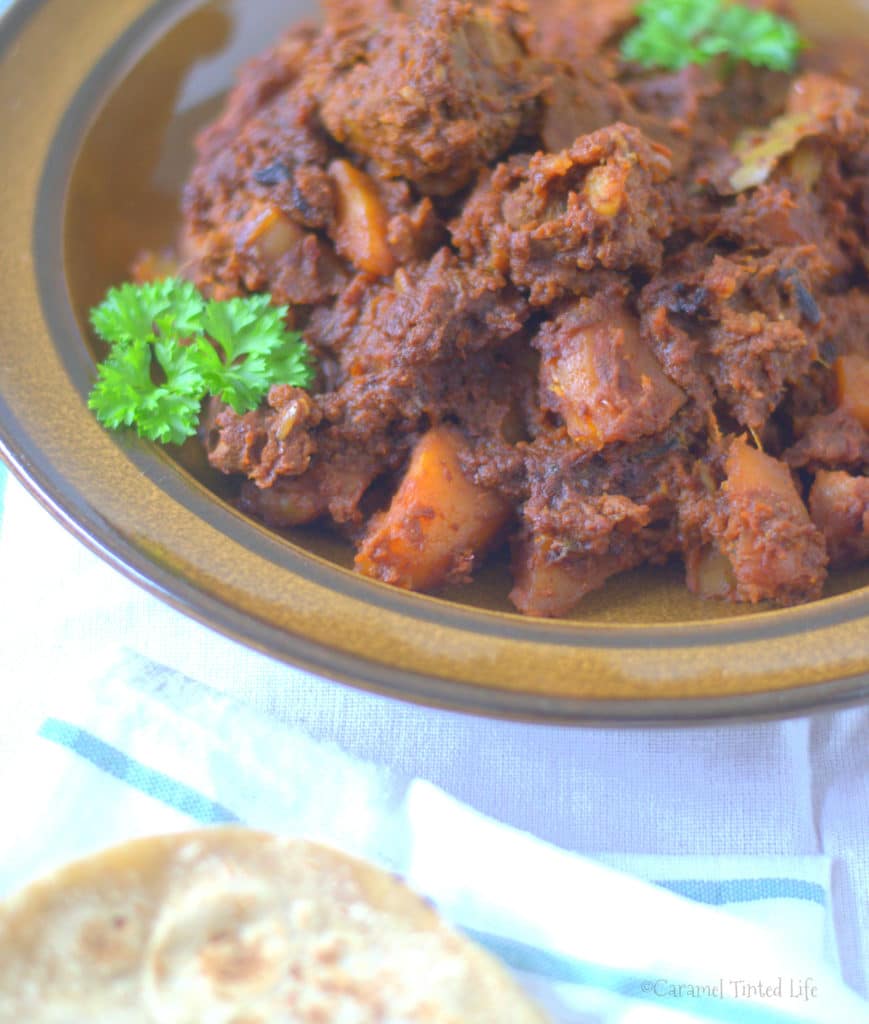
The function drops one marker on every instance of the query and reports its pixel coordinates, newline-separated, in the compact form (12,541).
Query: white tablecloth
(786,790)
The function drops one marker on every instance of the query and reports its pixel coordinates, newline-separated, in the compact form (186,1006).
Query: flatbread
(229,926)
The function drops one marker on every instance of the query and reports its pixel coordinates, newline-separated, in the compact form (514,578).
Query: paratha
(229,926)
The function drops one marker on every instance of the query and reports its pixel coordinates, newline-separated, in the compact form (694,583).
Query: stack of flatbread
(228,926)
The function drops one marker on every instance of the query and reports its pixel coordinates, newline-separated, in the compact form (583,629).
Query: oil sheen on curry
(563,307)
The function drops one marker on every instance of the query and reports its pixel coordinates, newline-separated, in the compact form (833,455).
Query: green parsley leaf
(243,326)
(672,34)
(168,416)
(126,395)
(240,385)
(123,379)
(294,362)
(184,308)
(254,331)
(168,348)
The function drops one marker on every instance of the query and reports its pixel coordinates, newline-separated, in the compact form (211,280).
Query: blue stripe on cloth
(745,890)
(710,1001)
(147,780)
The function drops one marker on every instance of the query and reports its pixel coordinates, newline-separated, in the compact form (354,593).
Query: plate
(100,101)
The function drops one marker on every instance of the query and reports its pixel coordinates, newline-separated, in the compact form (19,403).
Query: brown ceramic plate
(99,100)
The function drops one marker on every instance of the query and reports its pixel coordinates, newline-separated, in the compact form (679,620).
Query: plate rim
(39,475)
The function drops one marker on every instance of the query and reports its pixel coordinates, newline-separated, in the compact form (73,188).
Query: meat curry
(599,314)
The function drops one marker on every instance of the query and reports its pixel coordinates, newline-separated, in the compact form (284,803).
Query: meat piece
(600,377)
(439,524)
(279,155)
(351,15)
(579,101)
(674,98)
(547,220)
(754,359)
(588,518)
(267,443)
(434,99)
(736,323)
(334,485)
(697,112)
(839,504)
(748,95)
(775,551)
(414,230)
(835,440)
(673,108)
(258,81)
(572,32)
(846,324)
(582,96)
(779,214)
(255,209)
(428,313)
(801,176)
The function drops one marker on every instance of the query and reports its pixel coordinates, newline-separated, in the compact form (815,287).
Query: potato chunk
(839,504)
(852,387)
(439,523)
(598,374)
(361,232)
(271,233)
(750,470)
(774,549)
(709,574)
(550,587)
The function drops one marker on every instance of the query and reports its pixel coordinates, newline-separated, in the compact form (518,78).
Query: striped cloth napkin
(132,748)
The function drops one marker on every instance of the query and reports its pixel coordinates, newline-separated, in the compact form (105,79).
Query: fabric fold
(140,749)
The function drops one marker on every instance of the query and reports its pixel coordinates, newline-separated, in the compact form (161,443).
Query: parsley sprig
(672,34)
(169,347)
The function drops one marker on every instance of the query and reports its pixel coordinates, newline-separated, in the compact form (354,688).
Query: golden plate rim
(136,509)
